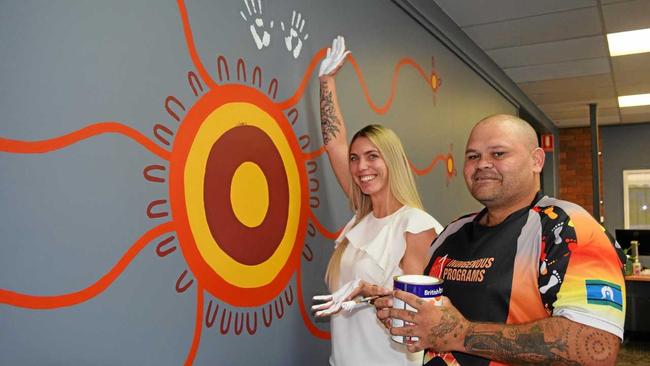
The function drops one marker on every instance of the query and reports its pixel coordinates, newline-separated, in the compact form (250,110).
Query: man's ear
(538,156)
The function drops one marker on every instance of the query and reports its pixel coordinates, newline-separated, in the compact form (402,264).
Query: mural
(242,178)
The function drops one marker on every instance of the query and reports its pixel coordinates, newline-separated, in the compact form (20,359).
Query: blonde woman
(389,234)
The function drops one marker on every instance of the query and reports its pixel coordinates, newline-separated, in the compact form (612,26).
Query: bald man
(527,280)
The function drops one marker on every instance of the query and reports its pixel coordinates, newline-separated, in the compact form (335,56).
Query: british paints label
(425,287)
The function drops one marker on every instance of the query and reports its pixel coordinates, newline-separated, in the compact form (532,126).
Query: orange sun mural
(239,215)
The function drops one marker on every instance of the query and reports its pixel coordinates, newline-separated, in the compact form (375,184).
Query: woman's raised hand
(335,58)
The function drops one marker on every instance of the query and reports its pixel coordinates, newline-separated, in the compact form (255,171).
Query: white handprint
(297,24)
(258,24)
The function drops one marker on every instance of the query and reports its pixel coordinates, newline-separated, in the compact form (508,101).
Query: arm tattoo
(552,341)
(329,123)
(519,346)
(594,349)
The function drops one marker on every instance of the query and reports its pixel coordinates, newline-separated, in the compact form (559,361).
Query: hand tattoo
(450,325)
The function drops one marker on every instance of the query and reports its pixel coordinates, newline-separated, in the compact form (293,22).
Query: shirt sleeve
(417,221)
(345,231)
(581,274)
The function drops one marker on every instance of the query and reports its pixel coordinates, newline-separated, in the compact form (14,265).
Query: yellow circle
(218,122)
(450,165)
(249,194)
(434,81)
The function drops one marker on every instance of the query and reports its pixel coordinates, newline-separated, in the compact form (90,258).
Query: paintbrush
(349,305)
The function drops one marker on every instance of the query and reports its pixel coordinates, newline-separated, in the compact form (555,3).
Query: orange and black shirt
(549,259)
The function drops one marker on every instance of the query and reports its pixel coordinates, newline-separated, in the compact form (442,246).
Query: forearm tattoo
(543,344)
(329,123)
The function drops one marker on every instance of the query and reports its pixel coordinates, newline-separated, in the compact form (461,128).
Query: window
(636,198)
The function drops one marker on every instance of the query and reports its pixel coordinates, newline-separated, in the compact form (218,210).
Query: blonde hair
(400,182)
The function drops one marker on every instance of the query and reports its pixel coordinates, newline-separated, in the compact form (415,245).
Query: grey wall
(623,148)
(69,215)
(434,20)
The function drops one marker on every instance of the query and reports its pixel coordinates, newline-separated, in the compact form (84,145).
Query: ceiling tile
(630,84)
(608,104)
(632,73)
(636,114)
(578,113)
(550,52)
(635,110)
(465,12)
(559,70)
(613,120)
(632,63)
(582,112)
(577,23)
(556,51)
(584,122)
(596,81)
(626,16)
(636,88)
(603,104)
(582,95)
(637,118)
(577,90)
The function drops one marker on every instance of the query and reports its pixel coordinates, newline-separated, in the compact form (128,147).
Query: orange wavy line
(42,146)
(393,89)
(305,80)
(189,39)
(326,233)
(58,301)
(305,317)
(197,327)
(436,160)
(313,154)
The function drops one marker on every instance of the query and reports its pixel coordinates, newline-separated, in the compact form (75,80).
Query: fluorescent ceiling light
(633,100)
(628,43)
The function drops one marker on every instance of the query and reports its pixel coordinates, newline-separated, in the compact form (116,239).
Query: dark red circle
(236,146)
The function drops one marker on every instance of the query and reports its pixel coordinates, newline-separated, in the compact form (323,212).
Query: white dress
(376,247)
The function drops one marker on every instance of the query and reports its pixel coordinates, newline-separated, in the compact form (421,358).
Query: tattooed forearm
(329,122)
(592,347)
(547,342)
(517,347)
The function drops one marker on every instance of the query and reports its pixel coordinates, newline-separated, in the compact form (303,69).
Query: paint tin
(426,287)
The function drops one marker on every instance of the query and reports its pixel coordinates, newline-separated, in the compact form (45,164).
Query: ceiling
(556,52)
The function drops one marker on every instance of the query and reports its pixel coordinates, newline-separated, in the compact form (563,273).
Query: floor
(635,350)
